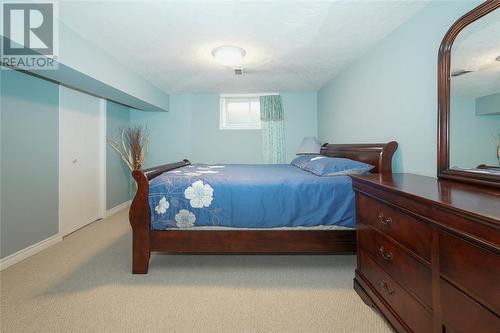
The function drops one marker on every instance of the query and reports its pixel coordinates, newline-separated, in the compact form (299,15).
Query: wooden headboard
(376,154)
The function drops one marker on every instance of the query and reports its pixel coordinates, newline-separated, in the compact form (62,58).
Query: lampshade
(309,146)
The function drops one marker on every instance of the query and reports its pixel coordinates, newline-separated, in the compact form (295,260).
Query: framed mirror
(469,98)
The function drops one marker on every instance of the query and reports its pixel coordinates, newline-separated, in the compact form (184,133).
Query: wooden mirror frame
(444,62)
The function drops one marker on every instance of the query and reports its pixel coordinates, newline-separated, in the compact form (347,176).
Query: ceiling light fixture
(228,55)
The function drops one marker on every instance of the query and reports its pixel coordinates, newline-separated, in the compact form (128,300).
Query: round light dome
(228,55)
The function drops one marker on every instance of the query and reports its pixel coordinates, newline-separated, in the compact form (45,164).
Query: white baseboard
(29,251)
(118,208)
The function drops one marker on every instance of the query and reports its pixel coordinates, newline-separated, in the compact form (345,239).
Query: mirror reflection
(475,97)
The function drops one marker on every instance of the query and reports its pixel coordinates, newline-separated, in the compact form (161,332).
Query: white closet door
(82,164)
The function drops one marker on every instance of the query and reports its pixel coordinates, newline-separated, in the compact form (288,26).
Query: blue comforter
(249,196)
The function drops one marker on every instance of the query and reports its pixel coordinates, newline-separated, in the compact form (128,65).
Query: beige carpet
(83,284)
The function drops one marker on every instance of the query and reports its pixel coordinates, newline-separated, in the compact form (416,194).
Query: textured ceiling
(475,49)
(291,46)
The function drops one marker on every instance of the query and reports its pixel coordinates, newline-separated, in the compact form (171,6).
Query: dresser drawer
(462,314)
(471,267)
(407,230)
(412,313)
(397,262)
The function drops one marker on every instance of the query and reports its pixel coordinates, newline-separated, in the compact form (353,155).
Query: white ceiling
(291,46)
(475,49)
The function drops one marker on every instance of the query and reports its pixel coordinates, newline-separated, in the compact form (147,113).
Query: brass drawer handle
(385,285)
(386,256)
(382,219)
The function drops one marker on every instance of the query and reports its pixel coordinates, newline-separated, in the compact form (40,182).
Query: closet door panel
(82,161)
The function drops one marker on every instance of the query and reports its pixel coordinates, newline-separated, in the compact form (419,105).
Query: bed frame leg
(140,220)
(140,252)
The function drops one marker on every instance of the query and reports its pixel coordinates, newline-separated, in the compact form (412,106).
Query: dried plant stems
(133,146)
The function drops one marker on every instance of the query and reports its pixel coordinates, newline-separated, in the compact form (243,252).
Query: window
(239,112)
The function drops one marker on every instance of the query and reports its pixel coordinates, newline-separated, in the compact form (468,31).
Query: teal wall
(117,174)
(471,135)
(489,104)
(29,160)
(191,130)
(169,132)
(209,144)
(390,93)
(301,119)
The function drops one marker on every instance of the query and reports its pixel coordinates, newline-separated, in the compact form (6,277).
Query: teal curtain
(273,129)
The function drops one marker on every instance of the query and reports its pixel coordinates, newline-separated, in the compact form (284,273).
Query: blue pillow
(332,166)
(302,160)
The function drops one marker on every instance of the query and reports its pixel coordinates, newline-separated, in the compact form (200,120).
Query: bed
(185,208)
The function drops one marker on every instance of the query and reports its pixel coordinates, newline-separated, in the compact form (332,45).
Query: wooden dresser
(429,252)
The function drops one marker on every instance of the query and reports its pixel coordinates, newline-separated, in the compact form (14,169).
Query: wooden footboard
(140,220)
(245,241)
(140,215)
